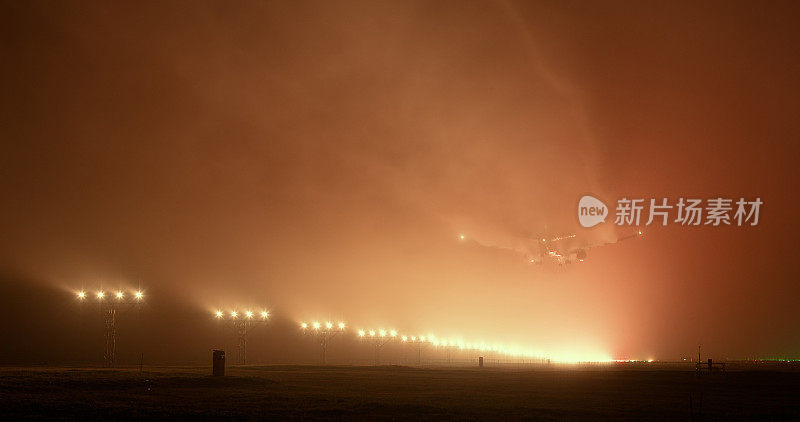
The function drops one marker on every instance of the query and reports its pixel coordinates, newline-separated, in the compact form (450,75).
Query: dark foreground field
(399,392)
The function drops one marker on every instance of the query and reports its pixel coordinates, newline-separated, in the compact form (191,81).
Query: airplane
(560,249)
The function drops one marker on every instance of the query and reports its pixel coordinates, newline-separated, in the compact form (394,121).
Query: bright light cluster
(247,314)
(482,347)
(118,295)
(382,335)
(327,326)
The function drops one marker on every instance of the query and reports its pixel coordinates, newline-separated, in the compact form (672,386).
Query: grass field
(256,392)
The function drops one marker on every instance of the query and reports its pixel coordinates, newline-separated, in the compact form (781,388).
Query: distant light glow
(361,333)
(234,314)
(341,326)
(120,295)
(303,325)
(265,314)
(219,314)
(316,325)
(81,295)
(138,295)
(328,325)
(100,295)
(248,314)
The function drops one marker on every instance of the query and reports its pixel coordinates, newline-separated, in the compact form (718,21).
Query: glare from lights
(382,333)
(303,325)
(138,295)
(81,295)
(328,325)
(100,295)
(413,338)
(219,314)
(120,295)
(265,314)
(341,326)
(393,333)
(372,333)
(234,314)
(461,237)
(361,333)
(316,325)
(248,314)
(404,338)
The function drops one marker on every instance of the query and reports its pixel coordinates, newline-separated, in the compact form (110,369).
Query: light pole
(324,333)
(379,339)
(109,303)
(242,323)
(418,343)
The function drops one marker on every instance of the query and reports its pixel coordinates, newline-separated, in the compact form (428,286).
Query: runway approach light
(372,333)
(219,314)
(382,333)
(100,295)
(328,325)
(303,325)
(120,295)
(393,333)
(404,338)
(265,314)
(81,295)
(341,326)
(138,295)
(248,314)
(361,333)
(461,237)
(234,314)
(316,325)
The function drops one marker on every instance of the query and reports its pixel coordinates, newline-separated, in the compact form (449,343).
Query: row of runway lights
(328,327)
(246,314)
(383,334)
(101,295)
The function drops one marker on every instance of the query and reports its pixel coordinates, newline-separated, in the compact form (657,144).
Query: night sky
(320,160)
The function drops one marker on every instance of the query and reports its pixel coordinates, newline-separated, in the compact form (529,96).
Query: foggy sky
(319,159)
